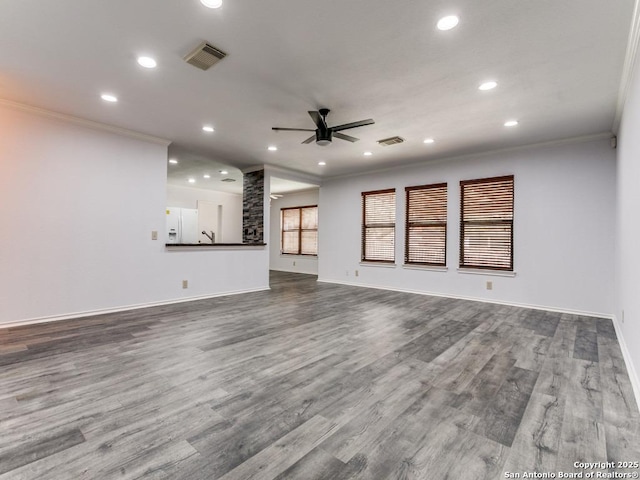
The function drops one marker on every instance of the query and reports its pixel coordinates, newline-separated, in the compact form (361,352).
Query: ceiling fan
(324,134)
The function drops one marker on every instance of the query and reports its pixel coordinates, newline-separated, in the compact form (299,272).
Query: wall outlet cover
(154,235)
(185,283)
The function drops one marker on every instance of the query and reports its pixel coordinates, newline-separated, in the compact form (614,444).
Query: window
(426,225)
(486,223)
(378,226)
(299,230)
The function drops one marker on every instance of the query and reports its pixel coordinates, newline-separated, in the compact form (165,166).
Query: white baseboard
(631,370)
(89,313)
(293,271)
(476,299)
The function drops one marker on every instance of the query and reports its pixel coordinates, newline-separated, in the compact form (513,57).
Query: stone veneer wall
(253,207)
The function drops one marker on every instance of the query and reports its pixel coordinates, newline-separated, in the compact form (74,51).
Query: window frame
(365,226)
(510,223)
(409,224)
(300,230)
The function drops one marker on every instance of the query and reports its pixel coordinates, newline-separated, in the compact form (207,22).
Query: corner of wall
(633,374)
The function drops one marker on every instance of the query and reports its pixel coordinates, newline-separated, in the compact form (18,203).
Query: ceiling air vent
(205,56)
(390,141)
(228,180)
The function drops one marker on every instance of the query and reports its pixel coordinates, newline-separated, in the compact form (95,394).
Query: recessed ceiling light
(511,123)
(107,97)
(147,62)
(367,154)
(211,3)
(206,175)
(322,164)
(173,161)
(448,22)
(428,140)
(272,148)
(192,180)
(224,172)
(208,129)
(488,85)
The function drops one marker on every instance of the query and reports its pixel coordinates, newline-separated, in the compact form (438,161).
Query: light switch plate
(154,235)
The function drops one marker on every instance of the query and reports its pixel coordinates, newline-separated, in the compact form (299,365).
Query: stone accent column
(253,207)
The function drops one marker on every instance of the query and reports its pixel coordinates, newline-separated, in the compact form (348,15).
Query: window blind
(378,226)
(426,225)
(486,223)
(299,230)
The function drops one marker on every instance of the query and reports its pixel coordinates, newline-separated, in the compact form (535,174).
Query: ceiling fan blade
(346,126)
(310,139)
(318,120)
(294,129)
(348,138)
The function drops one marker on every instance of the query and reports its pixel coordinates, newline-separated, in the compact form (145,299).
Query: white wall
(77,207)
(628,260)
(564,228)
(285,263)
(187,197)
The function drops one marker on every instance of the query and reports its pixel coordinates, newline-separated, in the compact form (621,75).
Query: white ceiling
(283,185)
(558,65)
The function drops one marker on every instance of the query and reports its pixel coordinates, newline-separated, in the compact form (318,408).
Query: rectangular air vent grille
(205,56)
(390,141)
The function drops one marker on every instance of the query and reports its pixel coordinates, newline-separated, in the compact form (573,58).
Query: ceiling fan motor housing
(323,138)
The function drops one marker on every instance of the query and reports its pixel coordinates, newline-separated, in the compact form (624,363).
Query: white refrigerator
(182,225)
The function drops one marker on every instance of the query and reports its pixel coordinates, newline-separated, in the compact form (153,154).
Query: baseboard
(475,299)
(90,313)
(633,374)
(293,271)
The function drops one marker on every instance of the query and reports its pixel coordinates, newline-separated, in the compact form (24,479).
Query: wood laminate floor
(315,381)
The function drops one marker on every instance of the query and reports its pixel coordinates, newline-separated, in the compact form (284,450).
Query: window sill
(488,272)
(429,268)
(378,264)
(301,255)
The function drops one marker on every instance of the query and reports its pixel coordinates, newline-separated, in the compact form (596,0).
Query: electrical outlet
(489,285)
(185,283)
(294,263)
(154,235)
(356,273)
(622,316)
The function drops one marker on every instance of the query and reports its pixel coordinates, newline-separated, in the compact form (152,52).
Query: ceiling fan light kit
(323,133)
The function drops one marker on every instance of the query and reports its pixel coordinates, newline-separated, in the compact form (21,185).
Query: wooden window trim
(409,224)
(379,225)
(464,183)
(300,230)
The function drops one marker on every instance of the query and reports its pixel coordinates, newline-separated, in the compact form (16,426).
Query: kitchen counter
(214,245)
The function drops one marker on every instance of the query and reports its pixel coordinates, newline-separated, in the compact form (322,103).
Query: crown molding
(292,175)
(476,155)
(84,122)
(629,66)
(253,168)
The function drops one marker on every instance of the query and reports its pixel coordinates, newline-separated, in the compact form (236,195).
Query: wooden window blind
(426,225)
(299,233)
(378,226)
(486,223)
